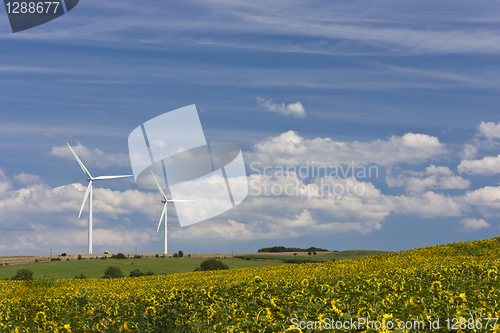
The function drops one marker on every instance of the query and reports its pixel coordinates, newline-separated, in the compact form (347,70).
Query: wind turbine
(88,194)
(165,201)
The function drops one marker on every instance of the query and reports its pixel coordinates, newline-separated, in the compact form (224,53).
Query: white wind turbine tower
(88,194)
(165,201)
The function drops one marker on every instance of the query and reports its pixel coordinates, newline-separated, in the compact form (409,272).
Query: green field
(349,254)
(94,268)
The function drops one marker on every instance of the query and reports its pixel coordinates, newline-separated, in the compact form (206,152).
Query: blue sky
(411,87)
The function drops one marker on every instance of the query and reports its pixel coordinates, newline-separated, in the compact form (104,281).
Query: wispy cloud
(92,157)
(25,178)
(392,26)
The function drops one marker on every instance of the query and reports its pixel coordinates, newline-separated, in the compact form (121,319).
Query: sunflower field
(453,287)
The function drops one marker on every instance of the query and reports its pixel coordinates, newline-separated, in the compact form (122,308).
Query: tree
(81,276)
(113,272)
(181,254)
(23,274)
(211,264)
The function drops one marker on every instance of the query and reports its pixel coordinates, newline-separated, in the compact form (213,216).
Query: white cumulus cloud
(471,224)
(489,165)
(433,178)
(486,200)
(489,130)
(290,148)
(295,110)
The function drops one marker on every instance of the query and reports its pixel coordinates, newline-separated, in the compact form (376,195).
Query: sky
(408,90)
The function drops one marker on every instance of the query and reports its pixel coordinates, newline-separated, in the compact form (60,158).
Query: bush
(23,274)
(79,257)
(136,273)
(181,254)
(81,276)
(63,254)
(55,259)
(113,272)
(157,256)
(176,255)
(119,256)
(211,264)
(137,256)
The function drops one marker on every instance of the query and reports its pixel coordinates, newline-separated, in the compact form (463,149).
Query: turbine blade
(163,213)
(159,187)
(181,200)
(80,162)
(112,177)
(85,198)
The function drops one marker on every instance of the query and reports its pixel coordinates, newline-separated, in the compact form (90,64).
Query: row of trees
(291,249)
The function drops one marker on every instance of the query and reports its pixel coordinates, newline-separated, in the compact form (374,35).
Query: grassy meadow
(94,268)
